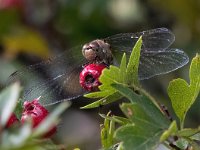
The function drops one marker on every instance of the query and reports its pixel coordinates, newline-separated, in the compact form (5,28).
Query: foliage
(183,95)
(24,39)
(146,124)
(24,137)
(122,75)
(144,127)
(54,26)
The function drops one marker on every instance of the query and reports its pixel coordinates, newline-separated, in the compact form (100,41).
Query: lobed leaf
(182,94)
(138,116)
(146,103)
(142,133)
(134,137)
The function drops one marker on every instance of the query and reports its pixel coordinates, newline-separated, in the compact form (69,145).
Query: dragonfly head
(97,51)
(89,51)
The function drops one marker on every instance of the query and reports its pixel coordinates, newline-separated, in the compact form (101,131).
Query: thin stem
(182,123)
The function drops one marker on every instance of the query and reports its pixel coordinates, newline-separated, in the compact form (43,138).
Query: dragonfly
(57,79)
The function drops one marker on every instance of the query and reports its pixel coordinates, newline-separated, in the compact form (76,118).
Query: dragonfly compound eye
(89,76)
(88,52)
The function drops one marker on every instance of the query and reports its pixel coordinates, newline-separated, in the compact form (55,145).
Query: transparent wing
(62,88)
(155,62)
(160,38)
(52,78)
(156,57)
(57,79)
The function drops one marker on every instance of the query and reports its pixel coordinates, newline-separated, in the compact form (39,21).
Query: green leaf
(103,101)
(107,132)
(8,102)
(123,68)
(52,119)
(182,143)
(134,137)
(133,64)
(183,95)
(138,116)
(187,132)
(117,119)
(196,137)
(108,77)
(169,132)
(19,108)
(98,94)
(146,102)
(93,105)
(142,133)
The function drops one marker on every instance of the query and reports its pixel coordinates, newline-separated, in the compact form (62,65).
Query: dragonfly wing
(160,62)
(160,38)
(49,69)
(62,88)
(42,77)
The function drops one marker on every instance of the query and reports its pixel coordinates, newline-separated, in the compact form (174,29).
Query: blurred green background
(33,30)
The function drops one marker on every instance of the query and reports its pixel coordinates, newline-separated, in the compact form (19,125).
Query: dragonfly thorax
(97,51)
